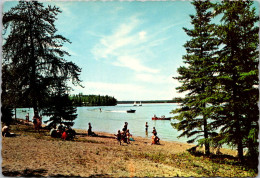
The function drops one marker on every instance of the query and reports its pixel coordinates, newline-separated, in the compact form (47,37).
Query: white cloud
(134,64)
(142,35)
(122,47)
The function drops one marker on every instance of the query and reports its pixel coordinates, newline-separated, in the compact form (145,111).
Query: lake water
(112,119)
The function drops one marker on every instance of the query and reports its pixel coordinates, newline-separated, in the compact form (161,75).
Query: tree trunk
(206,136)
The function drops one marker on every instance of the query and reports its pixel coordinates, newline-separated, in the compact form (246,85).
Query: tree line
(92,100)
(220,77)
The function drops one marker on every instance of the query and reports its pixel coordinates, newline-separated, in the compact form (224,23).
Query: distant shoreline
(147,102)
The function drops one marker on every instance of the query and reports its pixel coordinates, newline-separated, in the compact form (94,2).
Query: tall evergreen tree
(34,52)
(197,77)
(237,113)
(60,107)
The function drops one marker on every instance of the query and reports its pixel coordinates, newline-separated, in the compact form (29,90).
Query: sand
(37,154)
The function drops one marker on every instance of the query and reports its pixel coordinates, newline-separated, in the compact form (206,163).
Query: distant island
(92,100)
(99,100)
(174,100)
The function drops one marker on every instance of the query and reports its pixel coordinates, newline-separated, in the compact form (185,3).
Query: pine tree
(237,111)
(197,77)
(60,108)
(34,52)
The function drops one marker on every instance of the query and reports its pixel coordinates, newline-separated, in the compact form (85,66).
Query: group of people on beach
(67,133)
(63,132)
(155,138)
(124,135)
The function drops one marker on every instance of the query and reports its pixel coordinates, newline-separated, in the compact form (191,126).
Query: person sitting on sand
(71,133)
(123,136)
(90,133)
(155,140)
(60,130)
(5,131)
(54,132)
(118,136)
(128,135)
(64,135)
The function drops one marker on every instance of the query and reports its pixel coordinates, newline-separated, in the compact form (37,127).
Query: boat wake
(116,111)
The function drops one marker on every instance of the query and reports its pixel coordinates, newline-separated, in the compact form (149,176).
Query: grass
(202,166)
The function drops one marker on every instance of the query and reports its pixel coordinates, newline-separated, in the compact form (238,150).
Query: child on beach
(128,135)
(154,131)
(146,127)
(155,140)
(118,136)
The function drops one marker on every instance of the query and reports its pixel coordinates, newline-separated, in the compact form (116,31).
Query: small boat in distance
(160,118)
(130,111)
(140,103)
(135,104)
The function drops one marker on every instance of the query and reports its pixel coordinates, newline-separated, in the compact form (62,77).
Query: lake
(112,119)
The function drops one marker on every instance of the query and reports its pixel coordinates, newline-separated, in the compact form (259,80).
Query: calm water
(112,119)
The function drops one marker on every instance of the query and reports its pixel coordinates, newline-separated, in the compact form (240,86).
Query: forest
(92,100)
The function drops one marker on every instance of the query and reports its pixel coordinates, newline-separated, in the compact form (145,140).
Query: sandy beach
(37,154)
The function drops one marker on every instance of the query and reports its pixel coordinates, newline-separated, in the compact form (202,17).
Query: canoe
(161,118)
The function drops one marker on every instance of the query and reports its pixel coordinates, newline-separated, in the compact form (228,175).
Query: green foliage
(7,114)
(222,83)
(197,77)
(238,76)
(92,100)
(60,108)
(33,56)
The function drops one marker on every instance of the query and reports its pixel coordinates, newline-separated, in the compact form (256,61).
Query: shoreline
(140,138)
(32,154)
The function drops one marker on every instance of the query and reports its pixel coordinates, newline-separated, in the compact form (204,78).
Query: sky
(126,49)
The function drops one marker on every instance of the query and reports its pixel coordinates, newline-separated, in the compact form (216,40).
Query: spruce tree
(34,52)
(197,77)
(237,112)
(60,109)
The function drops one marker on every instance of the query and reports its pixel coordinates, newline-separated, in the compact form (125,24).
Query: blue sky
(129,50)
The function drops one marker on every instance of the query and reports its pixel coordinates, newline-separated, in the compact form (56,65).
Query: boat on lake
(140,103)
(130,111)
(135,104)
(161,118)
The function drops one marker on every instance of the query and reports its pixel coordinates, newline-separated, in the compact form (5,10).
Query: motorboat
(130,111)
(161,118)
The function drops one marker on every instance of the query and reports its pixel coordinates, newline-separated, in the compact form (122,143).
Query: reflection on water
(111,118)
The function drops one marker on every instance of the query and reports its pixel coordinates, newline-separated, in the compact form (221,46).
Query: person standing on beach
(154,131)
(119,136)
(125,127)
(146,128)
(89,129)
(27,117)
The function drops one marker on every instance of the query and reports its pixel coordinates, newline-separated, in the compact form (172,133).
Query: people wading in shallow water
(146,128)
